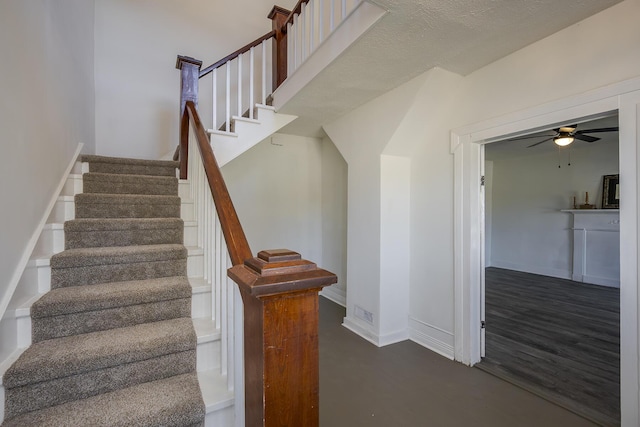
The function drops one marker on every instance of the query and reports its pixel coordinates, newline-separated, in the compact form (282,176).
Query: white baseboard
(334,294)
(543,271)
(360,328)
(601,281)
(393,338)
(431,337)
(31,244)
(363,329)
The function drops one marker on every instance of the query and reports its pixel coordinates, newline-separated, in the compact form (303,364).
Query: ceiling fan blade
(586,138)
(540,142)
(612,129)
(528,137)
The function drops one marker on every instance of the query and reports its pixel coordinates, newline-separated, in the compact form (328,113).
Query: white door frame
(466,144)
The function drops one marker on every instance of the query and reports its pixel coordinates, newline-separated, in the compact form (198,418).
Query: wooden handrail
(235,54)
(237,244)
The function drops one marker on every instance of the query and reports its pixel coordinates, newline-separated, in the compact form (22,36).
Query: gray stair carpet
(113,341)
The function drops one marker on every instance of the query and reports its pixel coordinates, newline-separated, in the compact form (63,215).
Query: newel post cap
(278,10)
(187,60)
(279,271)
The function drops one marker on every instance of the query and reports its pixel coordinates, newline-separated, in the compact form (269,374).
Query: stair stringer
(247,133)
(216,383)
(34,277)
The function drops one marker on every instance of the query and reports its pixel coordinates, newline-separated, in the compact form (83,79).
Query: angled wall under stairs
(113,341)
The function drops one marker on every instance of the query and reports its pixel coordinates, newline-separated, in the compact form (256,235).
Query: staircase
(113,341)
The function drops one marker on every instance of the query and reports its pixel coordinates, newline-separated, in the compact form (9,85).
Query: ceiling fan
(564,136)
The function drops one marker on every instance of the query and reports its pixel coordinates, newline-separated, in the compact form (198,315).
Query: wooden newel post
(280,295)
(278,16)
(189,78)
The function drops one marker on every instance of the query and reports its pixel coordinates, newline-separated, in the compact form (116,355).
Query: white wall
(46,110)
(136,44)
(334,220)
(276,188)
(361,137)
(415,120)
(529,233)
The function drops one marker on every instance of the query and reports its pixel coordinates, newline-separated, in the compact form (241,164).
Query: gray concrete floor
(405,384)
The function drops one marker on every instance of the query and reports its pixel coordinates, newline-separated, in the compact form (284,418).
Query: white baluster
(214,93)
(220,291)
(332,12)
(311,25)
(240,85)
(344,10)
(219,267)
(320,21)
(263,99)
(290,46)
(251,77)
(207,248)
(303,32)
(228,98)
(295,42)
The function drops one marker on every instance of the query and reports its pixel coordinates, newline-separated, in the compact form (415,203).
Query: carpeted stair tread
(37,396)
(84,257)
(102,296)
(118,165)
(63,357)
(95,232)
(96,205)
(95,182)
(174,401)
(83,309)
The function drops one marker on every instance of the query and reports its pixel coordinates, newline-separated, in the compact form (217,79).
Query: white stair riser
(221,417)
(208,355)
(8,336)
(15,329)
(194,265)
(51,240)
(186,210)
(23,325)
(184,189)
(201,305)
(73,185)
(37,276)
(63,210)
(191,233)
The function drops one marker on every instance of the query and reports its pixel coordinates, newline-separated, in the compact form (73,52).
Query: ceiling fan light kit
(563,139)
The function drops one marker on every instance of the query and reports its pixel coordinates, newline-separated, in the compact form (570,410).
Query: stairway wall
(46,111)
(276,189)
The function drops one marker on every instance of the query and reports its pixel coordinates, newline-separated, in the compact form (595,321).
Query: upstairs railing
(309,24)
(249,75)
(279,290)
(239,81)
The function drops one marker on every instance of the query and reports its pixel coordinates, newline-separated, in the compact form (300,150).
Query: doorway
(554,336)
(623,97)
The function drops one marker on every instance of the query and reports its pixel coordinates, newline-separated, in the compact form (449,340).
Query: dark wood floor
(406,385)
(557,338)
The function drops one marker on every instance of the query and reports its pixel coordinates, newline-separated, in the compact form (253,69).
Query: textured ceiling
(457,35)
